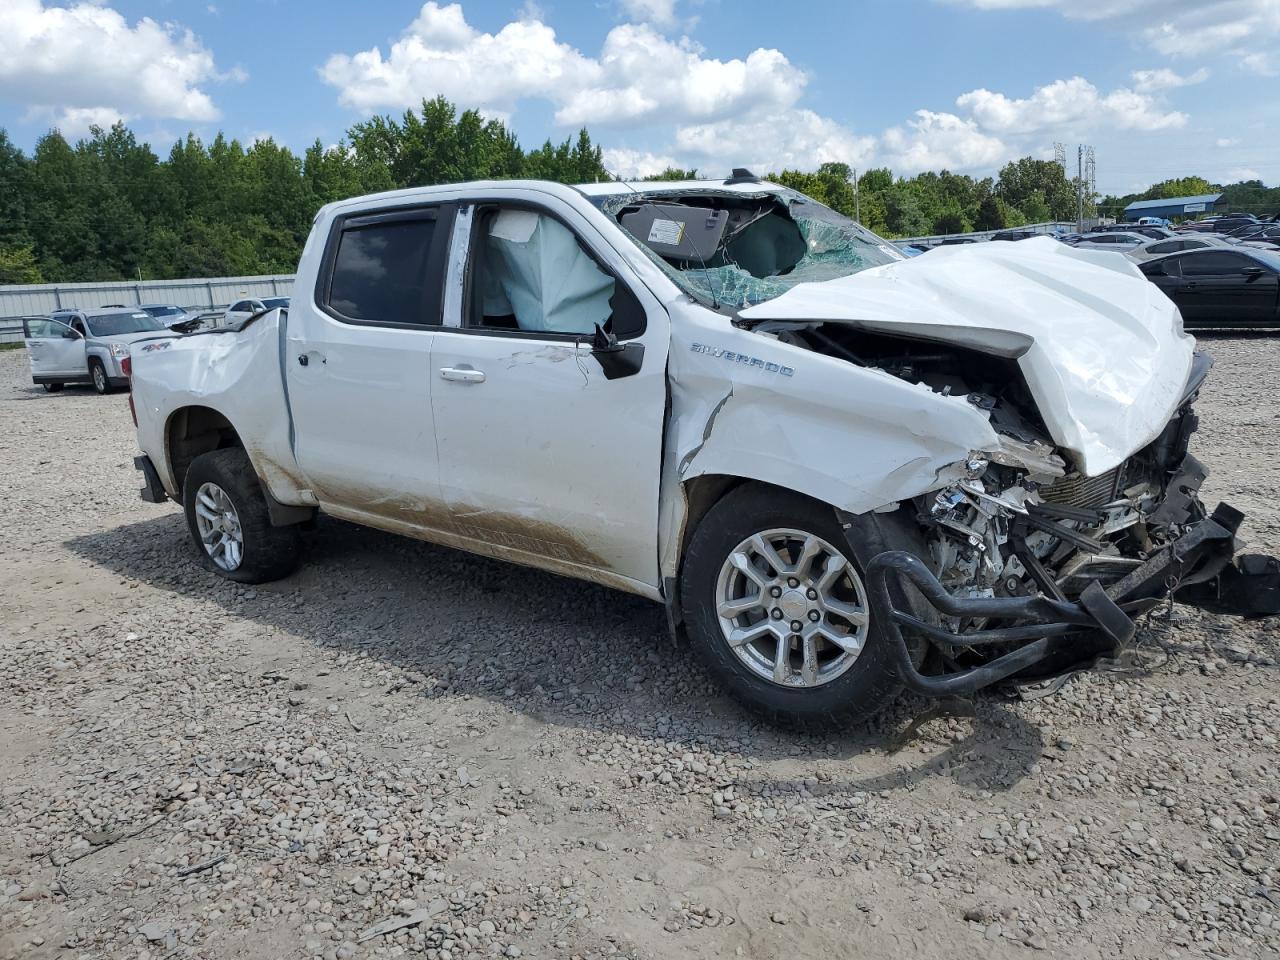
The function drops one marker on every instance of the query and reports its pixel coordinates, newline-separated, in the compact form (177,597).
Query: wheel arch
(193,430)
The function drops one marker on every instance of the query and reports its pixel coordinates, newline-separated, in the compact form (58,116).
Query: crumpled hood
(1102,348)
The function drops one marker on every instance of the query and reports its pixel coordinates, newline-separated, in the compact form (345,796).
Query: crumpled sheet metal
(1101,348)
(211,370)
(853,437)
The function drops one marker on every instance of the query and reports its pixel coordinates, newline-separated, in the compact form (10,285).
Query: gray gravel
(406,750)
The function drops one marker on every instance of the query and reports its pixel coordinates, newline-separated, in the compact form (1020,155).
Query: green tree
(1021,179)
(18,265)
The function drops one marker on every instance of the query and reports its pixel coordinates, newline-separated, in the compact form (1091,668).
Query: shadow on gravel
(562,651)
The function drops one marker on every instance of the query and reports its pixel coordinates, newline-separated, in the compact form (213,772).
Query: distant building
(1176,207)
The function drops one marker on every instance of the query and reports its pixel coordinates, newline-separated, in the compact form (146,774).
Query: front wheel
(775,605)
(227,515)
(99,374)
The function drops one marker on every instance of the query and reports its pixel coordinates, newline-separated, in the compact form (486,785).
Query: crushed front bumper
(1046,637)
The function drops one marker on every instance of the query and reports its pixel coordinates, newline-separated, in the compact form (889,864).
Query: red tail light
(126,366)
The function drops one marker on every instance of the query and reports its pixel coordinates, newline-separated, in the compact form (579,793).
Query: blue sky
(1160,88)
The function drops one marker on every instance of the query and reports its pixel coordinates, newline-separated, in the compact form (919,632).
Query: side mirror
(616,359)
(69,334)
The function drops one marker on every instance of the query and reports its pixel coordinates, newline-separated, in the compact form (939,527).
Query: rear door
(545,456)
(358,361)
(1228,287)
(54,349)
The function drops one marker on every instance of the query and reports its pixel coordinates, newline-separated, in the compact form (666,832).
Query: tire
(867,684)
(265,552)
(53,387)
(98,374)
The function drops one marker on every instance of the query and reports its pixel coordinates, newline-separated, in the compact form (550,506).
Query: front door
(54,349)
(358,356)
(542,455)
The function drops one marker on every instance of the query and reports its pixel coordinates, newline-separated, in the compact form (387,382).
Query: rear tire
(98,373)
(230,527)
(53,387)
(849,692)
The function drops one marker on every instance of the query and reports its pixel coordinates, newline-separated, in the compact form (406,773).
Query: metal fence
(37,299)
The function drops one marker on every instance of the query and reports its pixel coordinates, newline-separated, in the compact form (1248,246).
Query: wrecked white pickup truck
(842,471)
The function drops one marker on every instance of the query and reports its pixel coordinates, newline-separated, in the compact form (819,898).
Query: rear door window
(1212,263)
(387,269)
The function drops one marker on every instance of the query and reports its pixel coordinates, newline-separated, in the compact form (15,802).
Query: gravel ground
(503,763)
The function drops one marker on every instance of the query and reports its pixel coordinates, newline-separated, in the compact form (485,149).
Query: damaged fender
(752,406)
(210,370)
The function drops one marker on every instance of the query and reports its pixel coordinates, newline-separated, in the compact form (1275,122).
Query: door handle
(462,374)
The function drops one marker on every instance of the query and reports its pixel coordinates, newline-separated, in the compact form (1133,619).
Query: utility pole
(1080,188)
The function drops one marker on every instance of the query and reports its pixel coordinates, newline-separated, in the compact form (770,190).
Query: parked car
(1152,222)
(1266,233)
(1236,287)
(1223,224)
(728,398)
(74,346)
(174,317)
(242,310)
(956,241)
(1159,248)
(1113,240)
(1015,235)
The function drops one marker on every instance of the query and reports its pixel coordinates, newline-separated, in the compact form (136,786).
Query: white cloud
(762,141)
(1242,173)
(87,61)
(1073,104)
(715,114)
(937,141)
(1246,29)
(661,13)
(1155,81)
(638,77)
(1225,142)
(637,164)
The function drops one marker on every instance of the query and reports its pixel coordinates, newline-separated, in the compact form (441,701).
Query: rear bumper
(1040,637)
(152,490)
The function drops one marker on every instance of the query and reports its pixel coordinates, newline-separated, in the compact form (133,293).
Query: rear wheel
(775,604)
(227,515)
(53,387)
(99,375)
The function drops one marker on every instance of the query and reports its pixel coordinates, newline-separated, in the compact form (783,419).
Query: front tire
(229,523)
(98,373)
(775,605)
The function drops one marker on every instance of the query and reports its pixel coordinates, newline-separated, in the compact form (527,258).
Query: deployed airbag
(536,271)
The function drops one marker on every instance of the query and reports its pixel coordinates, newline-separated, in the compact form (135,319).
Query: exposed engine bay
(1021,525)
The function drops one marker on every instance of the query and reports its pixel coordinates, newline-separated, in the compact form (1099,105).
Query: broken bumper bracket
(1197,566)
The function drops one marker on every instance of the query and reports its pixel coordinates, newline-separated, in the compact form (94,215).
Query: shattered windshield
(742,249)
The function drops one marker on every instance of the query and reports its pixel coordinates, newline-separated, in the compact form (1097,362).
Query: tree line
(108,207)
